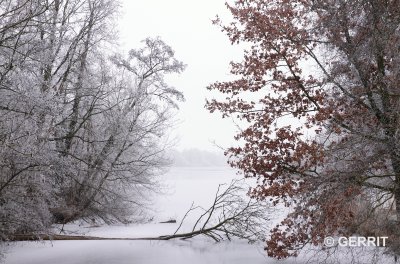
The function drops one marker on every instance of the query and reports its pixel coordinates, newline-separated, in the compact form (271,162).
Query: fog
(197,158)
(186,25)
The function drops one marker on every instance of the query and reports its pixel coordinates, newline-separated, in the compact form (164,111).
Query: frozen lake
(185,185)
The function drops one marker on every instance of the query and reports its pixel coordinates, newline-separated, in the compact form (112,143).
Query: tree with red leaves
(318,93)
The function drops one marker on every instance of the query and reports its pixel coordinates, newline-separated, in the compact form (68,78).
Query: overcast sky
(186,26)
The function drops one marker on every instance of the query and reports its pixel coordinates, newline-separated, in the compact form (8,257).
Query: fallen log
(52,237)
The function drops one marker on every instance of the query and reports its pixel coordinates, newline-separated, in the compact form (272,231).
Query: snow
(138,252)
(185,186)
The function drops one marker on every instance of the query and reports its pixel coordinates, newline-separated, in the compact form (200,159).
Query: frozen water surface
(187,185)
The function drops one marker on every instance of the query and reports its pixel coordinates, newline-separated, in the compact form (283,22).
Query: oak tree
(317,94)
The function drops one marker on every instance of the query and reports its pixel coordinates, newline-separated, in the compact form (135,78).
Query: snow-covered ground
(185,185)
(137,252)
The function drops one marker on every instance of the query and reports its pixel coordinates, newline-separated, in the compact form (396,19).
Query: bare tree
(81,132)
(118,154)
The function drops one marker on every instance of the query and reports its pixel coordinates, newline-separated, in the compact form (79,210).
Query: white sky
(186,26)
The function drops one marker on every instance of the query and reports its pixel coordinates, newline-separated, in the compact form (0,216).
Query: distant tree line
(197,158)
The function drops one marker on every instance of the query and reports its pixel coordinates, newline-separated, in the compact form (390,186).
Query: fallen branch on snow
(231,215)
